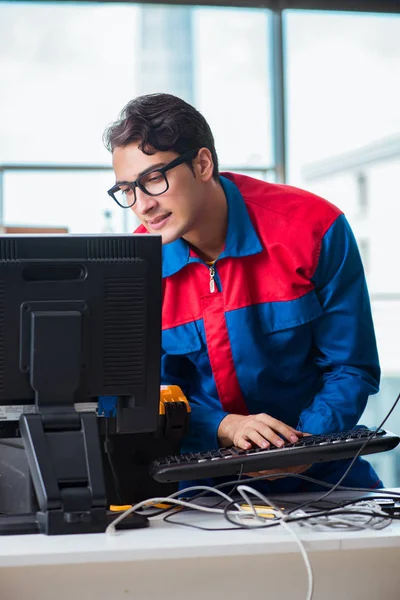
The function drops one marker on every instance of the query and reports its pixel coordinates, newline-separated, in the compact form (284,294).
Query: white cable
(281,516)
(111,529)
(205,488)
(373,518)
(354,522)
(172,500)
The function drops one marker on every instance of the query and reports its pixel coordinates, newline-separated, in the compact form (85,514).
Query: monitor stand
(24,524)
(61,446)
(18,502)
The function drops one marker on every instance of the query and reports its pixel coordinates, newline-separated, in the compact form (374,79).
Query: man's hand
(259,430)
(255,430)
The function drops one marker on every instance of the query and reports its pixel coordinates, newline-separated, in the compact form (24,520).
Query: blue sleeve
(206,414)
(344,338)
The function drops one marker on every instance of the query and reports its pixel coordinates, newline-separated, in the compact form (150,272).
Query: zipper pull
(212,279)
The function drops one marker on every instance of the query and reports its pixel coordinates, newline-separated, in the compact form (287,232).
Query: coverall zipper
(212,279)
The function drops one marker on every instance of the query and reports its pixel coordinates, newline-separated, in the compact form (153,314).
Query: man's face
(175,212)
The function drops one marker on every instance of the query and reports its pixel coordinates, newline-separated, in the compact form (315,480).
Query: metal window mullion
(278,96)
(1,200)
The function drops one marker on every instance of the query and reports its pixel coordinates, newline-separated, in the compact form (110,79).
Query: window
(68,69)
(364,247)
(344,144)
(362,183)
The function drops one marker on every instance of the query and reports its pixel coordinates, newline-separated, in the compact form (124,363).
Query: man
(267,325)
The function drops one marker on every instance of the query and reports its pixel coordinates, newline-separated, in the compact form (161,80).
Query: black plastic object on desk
(80,318)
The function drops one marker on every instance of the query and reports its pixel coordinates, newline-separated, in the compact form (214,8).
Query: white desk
(168,561)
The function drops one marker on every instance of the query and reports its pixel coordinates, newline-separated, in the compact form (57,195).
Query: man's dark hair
(161,122)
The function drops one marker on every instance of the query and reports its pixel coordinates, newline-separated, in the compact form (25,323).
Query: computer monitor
(80,318)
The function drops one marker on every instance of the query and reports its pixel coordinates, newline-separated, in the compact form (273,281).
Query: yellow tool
(116,508)
(267,512)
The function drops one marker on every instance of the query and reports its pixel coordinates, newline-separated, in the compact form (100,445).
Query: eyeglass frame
(134,184)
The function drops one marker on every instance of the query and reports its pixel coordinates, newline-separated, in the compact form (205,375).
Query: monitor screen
(80,318)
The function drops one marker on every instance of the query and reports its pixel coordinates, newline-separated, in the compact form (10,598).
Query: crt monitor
(80,317)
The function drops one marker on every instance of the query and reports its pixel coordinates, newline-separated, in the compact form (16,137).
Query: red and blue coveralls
(281,324)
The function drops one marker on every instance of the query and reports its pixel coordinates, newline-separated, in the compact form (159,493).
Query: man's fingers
(259,428)
(288,433)
(252,437)
(263,436)
(270,435)
(262,430)
(242,431)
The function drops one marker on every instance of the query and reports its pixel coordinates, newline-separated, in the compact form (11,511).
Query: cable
(380,493)
(168,519)
(108,449)
(317,481)
(291,518)
(357,516)
(232,516)
(373,518)
(111,529)
(242,489)
(356,455)
(332,487)
(333,518)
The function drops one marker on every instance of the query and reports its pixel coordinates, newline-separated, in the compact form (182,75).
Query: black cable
(370,437)
(309,516)
(235,483)
(307,478)
(332,487)
(108,449)
(317,513)
(379,494)
(159,511)
(239,481)
(168,519)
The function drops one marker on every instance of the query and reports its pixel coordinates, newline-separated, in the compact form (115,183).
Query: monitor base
(28,523)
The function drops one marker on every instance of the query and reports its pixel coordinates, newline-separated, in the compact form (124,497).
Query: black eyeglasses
(153,183)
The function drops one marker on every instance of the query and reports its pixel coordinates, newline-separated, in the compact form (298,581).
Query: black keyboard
(234,461)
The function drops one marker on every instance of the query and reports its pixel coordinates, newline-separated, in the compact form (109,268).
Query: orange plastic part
(172,393)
